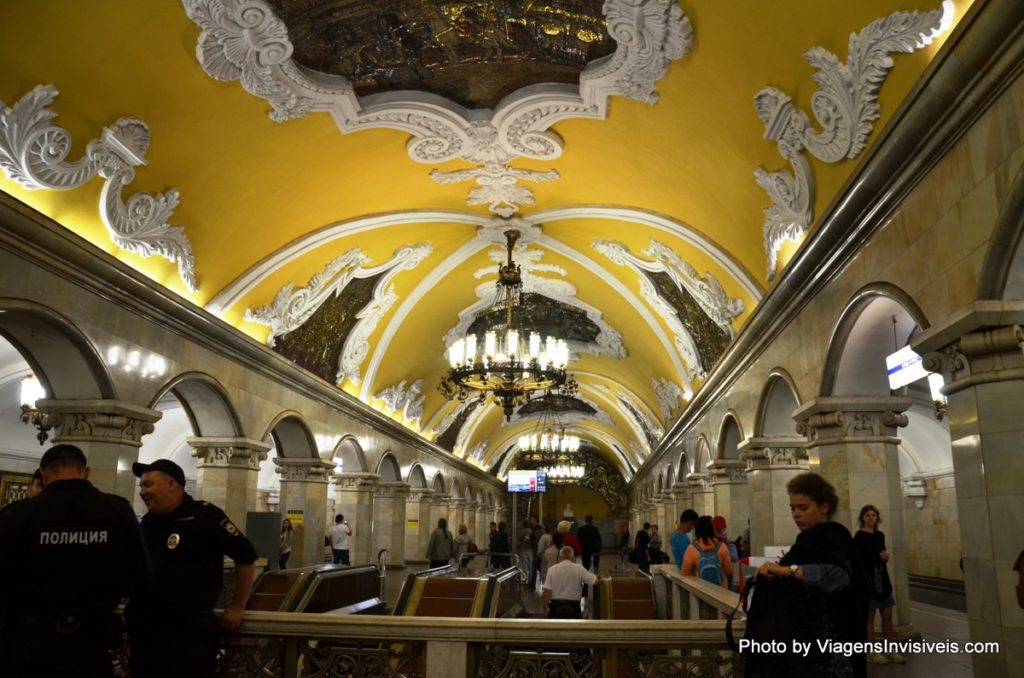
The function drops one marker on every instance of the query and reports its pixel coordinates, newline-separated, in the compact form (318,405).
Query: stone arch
(206,404)
(467,494)
(863,337)
(661,483)
(456,489)
(416,477)
(350,452)
(702,455)
(1002,273)
(683,466)
(437,483)
(291,437)
(670,477)
(779,400)
(387,468)
(61,356)
(729,437)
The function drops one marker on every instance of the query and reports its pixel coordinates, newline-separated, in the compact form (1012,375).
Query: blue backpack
(708,567)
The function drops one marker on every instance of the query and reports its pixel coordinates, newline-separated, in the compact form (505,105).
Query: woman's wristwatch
(793,569)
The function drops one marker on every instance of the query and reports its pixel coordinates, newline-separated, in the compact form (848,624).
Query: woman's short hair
(704,528)
(463,529)
(869,507)
(817,488)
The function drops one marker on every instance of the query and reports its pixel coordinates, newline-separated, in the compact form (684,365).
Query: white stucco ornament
(845,105)
(34,151)
(293,306)
(245,40)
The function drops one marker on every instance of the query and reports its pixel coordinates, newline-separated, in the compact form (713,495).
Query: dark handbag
(471,547)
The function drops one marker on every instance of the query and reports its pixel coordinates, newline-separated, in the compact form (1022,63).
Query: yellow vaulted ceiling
(250,187)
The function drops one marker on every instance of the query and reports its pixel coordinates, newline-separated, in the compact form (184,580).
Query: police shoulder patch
(229,527)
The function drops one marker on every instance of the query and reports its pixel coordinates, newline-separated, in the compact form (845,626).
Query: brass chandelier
(510,361)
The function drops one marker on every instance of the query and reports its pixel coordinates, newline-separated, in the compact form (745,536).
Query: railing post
(291,658)
(446,659)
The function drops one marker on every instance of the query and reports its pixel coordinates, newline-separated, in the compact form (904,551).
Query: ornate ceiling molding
(407,400)
(608,341)
(489,233)
(670,396)
(644,423)
(706,291)
(244,40)
(292,307)
(33,153)
(845,105)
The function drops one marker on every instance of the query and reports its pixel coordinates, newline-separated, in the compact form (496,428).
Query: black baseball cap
(164,465)
(62,451)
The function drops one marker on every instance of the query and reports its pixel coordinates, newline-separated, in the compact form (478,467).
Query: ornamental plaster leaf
(33,152)
(414,400)
(496,185)
(393,396)
(845,106)
(357,345)
(669,395)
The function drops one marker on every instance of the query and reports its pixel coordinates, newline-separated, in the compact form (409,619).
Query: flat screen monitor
(527,481)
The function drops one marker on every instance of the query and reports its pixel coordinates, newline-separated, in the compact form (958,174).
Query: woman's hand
(884,555)
(772,570)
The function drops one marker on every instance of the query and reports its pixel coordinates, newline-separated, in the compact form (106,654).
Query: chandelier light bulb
(534,345)
(31,391)
(470,354)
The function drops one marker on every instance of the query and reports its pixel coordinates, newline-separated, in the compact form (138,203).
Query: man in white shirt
(563,586)
(339,534)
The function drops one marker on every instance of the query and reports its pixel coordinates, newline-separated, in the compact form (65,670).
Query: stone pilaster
(389,521)
(417,524)
(226,473)
(666,507)
(469,511)
(456,513)
(981,359)
(109,432)
(438,509)
(353,498)
(771,462)
(681,494)
(701,493)
(852,441)
(304,488)
(484,513)
(732,494)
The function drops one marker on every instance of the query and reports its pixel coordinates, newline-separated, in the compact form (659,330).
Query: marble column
(226,473)
(353,498)
(852,442)
(389,521)
(681,493)
(304,488)
(438,510)
(109,432)
(771,462)
(666,507)
(483,525)
(456,513)
(469,511)
(417,524)
(981,359)
(732,495)
(701,493)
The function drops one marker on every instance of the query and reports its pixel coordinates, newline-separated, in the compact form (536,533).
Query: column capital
(471,506)
(456,502)
(356,481)
(774,452)
(304,470)
(440,499)
(698,482)
(392,489)
(98,421)
(420,494)
(725,471)
(229,452)
(852,419)
(981,357)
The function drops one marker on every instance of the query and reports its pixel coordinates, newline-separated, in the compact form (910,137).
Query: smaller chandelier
(510,360)
(548,445)
(563,474)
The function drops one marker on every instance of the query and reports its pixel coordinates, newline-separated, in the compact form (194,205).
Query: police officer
(172,629)
(69,555)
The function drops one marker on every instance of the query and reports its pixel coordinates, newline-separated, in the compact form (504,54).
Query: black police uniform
(172,629)
(69,555)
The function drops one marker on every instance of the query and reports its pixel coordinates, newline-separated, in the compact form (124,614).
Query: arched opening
(729,438)
(683,467)
(437,484)
(416,477)
(348,456)
(778,403)
(388,469)
(1002,274)
(703,455)
(40,351)
(290,438)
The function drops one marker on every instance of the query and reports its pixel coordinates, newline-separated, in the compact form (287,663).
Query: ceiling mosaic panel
(473,53)
(709,339)
(558,402)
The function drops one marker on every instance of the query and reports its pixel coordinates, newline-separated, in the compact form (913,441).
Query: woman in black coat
(814,594)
